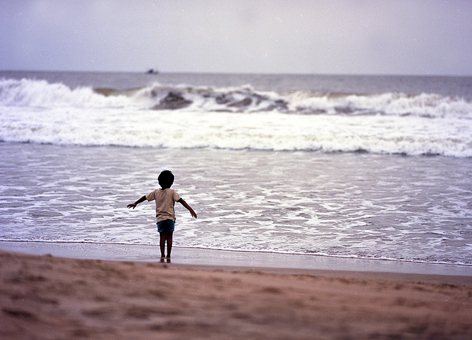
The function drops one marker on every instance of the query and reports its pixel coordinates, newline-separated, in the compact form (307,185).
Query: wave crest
(40,93)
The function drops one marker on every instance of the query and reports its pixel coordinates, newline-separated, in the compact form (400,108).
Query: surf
(240,99)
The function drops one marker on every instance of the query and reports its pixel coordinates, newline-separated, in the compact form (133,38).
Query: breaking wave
(187,116)
(40,93)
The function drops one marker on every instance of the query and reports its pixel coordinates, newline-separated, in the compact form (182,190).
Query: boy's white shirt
(165,201)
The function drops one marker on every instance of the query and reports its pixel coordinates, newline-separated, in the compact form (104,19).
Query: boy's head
(166,179)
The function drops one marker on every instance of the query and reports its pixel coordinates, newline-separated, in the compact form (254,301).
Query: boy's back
(165,200)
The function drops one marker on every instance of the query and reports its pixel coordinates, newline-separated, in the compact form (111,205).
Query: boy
(165,199)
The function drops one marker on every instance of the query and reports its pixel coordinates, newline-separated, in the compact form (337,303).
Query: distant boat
(152,71)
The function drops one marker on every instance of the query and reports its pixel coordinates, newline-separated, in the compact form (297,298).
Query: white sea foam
(423,105)
(234,118)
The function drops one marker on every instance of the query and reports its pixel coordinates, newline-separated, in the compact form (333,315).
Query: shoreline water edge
(288,263)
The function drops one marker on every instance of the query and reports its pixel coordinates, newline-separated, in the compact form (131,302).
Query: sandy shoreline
(48,297)
(220,258)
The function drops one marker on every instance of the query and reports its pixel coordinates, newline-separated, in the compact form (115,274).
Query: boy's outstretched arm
(133,205)
(188,207)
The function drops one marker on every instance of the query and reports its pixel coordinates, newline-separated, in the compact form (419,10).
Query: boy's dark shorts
(165,226)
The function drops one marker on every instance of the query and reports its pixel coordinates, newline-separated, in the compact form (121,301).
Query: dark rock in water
(344,109)
(259,99)
(223,99)
(280,105)
(242,103)
(173,101)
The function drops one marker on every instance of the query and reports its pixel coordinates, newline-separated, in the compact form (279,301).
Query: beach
(329,207)
(49,297)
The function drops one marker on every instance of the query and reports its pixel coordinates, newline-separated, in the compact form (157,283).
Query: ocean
(366,167)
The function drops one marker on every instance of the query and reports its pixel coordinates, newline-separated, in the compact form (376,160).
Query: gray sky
(245,36)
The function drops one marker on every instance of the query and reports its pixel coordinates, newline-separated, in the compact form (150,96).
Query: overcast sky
(432,37)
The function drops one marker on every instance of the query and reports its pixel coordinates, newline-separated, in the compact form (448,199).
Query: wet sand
(290,263)
(49,297)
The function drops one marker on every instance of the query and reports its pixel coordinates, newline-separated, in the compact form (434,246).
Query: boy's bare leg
(169,242)
(162,243)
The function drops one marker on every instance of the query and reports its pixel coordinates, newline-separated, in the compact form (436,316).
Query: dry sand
(45,297)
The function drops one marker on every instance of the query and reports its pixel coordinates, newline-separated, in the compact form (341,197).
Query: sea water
(369,167)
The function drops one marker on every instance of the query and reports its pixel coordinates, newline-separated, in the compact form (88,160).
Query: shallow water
(337,204)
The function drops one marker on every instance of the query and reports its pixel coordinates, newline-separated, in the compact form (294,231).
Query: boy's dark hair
(166,179)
